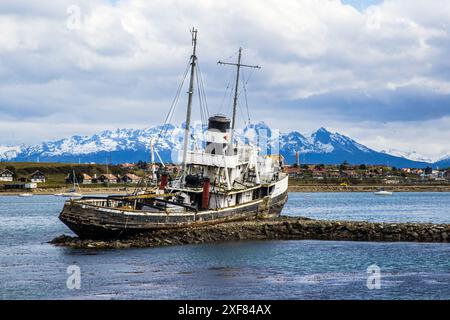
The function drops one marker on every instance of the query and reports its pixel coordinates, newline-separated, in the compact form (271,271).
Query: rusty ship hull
(88,220)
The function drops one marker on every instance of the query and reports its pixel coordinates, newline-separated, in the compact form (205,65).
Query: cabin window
(264,192)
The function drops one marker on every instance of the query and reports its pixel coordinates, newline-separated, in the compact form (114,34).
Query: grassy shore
(56,174)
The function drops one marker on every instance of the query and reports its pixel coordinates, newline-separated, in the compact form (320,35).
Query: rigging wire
(204,93)
(204,110)
(231,57)
(242,113)
(200,99)
(230,99)
(230,84)
(226,91)
(168,119)
(202,96)
(245,96)
(240,91)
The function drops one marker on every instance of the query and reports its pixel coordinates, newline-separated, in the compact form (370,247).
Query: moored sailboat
(74,192)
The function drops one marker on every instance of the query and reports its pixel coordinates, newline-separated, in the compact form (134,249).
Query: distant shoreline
(368,188)
(292,188)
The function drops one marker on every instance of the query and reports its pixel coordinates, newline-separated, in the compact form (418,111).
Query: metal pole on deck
(191,95)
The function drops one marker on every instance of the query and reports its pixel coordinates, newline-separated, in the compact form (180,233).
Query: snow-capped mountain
(443,162)
(408,155)
(132,145)
(326,147)
(117,146)
(10,152)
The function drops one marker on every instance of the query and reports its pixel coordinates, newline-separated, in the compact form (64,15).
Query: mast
(191,94)
(236,91)
(152,160)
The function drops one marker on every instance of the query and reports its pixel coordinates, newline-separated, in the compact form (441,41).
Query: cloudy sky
(378,71)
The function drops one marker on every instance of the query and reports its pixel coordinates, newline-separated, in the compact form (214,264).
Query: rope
(226,91)
(231,57)
(203,91)
(168,119)
(245,95)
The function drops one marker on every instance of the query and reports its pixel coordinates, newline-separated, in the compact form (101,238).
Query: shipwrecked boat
(225,181)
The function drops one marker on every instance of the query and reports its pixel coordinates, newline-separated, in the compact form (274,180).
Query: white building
(6,175)
(30,185)
(37,177)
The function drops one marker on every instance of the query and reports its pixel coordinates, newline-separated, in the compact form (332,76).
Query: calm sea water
(401,207)
(32,269)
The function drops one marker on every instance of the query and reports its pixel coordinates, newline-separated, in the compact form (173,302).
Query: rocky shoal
(283,228)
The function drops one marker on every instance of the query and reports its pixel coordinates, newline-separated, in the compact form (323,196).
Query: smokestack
(297,158)
(217,134)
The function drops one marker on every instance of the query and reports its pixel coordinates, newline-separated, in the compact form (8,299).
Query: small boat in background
(383,193)
(25,195)
(69,195)
(72,193)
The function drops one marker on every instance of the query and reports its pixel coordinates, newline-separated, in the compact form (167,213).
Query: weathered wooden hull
(95,222)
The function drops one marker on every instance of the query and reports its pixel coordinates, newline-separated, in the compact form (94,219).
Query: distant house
(349,174)
(30,185)
(334,174)
(80,178)
(86,179)
(107,178)
(447,174)
(128,165)
(6,175)
(318,177)
(130,178)
(37,177)
(292,171)
(18,186)
(391,181)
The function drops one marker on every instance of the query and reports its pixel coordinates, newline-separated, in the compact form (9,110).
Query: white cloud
(122,66)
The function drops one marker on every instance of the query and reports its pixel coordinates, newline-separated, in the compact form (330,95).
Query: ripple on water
(33,269)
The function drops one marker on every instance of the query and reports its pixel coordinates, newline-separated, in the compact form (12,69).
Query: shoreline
(283,228)
(292,188)
(369,188)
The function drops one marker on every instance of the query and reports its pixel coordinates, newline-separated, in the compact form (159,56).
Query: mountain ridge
(132,145)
